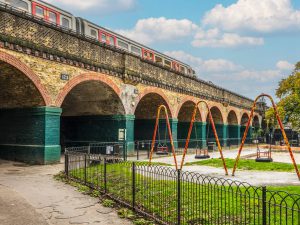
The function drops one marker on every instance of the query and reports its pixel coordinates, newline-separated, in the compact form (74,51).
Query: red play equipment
(163,148)
(281,128)
(214,130)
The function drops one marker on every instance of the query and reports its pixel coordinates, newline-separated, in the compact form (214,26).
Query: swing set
(162,147)
(263,155)
(281,128)
(215,134)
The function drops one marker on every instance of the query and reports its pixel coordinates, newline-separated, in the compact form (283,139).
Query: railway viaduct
(58,87)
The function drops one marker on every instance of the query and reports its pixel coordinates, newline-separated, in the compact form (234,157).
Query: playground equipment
(214,130)
(264,155)
(201,153)
(162,147)
(281,128)
(169,132)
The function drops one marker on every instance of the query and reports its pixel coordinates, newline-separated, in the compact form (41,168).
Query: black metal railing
(171,196)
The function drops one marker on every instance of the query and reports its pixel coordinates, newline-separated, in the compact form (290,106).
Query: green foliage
(247,164)
(289,94)
(125,213)
(108,203)
(271,119)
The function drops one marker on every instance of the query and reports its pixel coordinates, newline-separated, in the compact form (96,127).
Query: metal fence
(171,196)
(142,147)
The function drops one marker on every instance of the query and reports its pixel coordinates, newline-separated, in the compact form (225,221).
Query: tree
(289,94)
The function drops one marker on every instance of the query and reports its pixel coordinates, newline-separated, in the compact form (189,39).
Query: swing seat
(202,154)
(162,150)
(263,156)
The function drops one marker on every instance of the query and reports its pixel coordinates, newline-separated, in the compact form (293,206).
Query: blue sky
(246,46)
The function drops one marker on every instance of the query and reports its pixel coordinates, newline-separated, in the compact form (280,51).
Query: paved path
(257,178)
(30,196)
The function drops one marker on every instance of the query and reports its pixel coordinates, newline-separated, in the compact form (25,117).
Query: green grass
(201,203)
(246,164)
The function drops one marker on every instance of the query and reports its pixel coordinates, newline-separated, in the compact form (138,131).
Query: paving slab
(55,202)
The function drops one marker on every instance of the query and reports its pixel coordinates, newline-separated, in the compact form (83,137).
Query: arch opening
(145,115)
(233,129)
(92,112)
(219,124)
(184,119)
(244,121)
(24,117)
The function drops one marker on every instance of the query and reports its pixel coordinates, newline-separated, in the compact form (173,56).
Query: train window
(182,69)
(93,33)
(189,71)
(112,41)
(122,44)
(19,4)
(167,63)
(135,50)
(52,17)
(158,59)
(103,37)
(65,22)
(39,11)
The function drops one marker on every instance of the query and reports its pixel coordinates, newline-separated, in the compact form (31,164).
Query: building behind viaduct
(57,87)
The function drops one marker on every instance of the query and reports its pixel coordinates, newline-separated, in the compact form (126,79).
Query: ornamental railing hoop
(169,132)
(281,128)
(214,130)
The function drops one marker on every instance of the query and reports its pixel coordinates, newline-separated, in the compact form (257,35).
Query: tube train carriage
(65,19)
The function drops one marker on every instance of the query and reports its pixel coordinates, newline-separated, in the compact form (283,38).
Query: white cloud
(160,29)
(255,15)
(284,65)
(205,66)
(215,38)
(232,76)
(95,6)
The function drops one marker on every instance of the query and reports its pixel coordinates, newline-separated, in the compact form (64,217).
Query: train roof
(135,42)
(46,3)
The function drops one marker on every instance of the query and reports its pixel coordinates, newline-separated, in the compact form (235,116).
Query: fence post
(67,164)
(178,197)
(105,178)
(137,152)
(85,167)
(133,185)
(264,205)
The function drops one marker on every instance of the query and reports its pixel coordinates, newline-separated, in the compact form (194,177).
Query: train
(67,20)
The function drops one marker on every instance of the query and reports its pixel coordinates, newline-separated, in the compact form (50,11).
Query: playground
(262,164)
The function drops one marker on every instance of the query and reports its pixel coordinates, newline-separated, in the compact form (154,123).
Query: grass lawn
(203,201)
(246,164)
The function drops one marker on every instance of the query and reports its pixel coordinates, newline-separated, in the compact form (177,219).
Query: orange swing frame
(281,128)
(215,134)
(169,132)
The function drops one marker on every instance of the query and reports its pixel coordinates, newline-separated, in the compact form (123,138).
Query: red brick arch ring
(22,67)
(193,100)
(158,91)
(83,78)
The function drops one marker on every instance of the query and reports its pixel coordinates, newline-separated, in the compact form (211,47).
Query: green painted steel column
(174,127)
(203,135)
(129,125)
(30,135)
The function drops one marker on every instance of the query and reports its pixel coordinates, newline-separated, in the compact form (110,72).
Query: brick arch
(15,62)
(154,90)
(241,118)
(218,108)
(82,78)
(235,114)
(182,102)
(194,101)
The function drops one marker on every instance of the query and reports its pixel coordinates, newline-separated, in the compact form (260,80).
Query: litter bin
(211,146)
